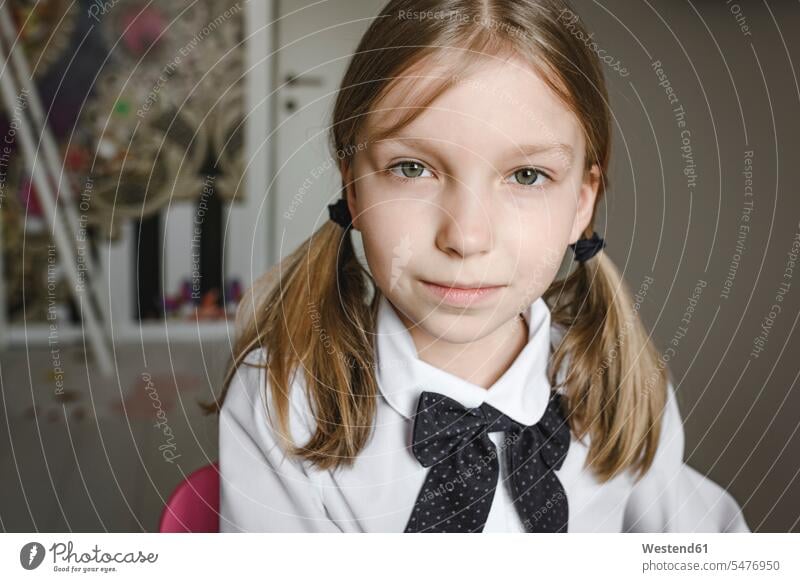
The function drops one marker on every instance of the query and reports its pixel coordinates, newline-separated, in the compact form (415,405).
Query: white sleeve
(262,489)
(674,497)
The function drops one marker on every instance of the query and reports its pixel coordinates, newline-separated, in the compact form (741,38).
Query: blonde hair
(615,389)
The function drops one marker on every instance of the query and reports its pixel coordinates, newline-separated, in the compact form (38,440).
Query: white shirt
(264,490)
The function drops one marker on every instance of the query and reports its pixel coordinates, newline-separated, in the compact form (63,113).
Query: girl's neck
(481,362)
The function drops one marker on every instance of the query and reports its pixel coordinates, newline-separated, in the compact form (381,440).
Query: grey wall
(739,91)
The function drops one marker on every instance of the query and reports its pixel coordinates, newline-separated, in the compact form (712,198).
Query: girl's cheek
(537,251)
(551,212)
(541,273)
(391,241)
(534,227)
(536,243)
(391,217)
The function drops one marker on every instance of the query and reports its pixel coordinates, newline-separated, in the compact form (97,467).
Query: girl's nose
(465,226)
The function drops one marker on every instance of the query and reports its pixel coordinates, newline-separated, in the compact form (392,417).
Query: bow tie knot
(453,441)
(443,426)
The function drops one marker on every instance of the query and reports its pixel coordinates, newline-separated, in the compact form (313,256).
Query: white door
(315,41)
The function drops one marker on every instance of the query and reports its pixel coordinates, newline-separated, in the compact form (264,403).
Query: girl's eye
(530,177)
(409,168)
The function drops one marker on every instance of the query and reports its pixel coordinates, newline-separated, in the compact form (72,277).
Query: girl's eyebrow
(564,150)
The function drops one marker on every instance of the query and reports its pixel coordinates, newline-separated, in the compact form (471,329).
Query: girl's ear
(587,195)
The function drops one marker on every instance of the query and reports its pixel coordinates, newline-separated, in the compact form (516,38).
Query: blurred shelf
(39,334)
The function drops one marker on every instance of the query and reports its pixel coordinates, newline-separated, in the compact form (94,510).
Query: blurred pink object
(143,27)
(194,505)
(29,197)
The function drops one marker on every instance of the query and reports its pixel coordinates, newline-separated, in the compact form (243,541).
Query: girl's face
(484,189)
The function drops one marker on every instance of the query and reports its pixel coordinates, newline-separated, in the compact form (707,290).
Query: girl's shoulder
(251,402)
(672,439)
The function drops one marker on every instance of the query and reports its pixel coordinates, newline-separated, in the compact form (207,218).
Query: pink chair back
(193,506)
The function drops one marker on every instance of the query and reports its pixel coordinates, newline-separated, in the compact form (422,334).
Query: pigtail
(616,385)
(340,378)
(310,316)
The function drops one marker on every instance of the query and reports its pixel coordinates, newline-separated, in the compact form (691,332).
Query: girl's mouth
(461,296)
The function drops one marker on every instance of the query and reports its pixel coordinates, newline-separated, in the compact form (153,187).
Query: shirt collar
(521,393)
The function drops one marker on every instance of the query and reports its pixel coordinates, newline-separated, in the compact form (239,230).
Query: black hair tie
(340,213)
(586,248)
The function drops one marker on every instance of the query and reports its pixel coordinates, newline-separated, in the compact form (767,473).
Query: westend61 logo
(65,559)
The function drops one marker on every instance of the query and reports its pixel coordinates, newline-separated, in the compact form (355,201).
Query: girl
(455,382)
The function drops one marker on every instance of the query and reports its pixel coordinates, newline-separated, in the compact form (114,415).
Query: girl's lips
(459,296)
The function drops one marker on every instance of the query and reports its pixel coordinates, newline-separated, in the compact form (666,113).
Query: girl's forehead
(507,95)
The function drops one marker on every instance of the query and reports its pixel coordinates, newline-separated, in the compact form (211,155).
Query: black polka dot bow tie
(464,468)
